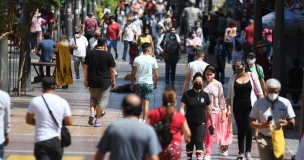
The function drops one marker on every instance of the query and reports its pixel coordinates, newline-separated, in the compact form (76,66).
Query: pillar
(68,20)
(257,24)
(4,81)
(84,10)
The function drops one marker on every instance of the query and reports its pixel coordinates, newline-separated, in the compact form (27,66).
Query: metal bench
(40,74)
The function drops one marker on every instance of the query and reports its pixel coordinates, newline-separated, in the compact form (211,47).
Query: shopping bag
(278,142)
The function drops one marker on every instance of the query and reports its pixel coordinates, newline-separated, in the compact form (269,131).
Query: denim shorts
(144,91)
(111,43)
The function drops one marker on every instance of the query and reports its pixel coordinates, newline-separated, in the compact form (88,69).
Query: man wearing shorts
(113,35)
(142,67)
(99,74)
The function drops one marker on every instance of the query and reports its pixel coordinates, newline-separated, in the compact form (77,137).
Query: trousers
(48,150)
(173,70)
(265,148)
(158,49)
(127,44)
(222,79)
(198,133)
(209,138)
(77,61)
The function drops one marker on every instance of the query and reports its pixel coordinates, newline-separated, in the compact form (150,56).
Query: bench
(40,74)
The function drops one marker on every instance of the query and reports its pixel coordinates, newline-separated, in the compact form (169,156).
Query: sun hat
(129,19)
(262,43)
(37,14)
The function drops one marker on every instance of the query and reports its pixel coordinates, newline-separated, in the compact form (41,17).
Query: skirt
(222,134)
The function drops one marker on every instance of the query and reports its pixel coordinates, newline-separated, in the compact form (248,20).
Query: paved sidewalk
(85,137)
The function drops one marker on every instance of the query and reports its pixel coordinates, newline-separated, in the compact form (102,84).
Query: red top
(112,31)
(262,60)
(50,16)
(132,52)
(90,24)
(249,34)
(177,121)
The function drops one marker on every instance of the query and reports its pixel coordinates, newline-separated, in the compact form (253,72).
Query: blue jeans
(157,45)
(1,151)
(222,79)
(191,58)
(269,49)
(160,14)
(173,70)
(43,29)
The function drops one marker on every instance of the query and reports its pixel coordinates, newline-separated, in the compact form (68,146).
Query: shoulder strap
(161,116)
(51,113)
(258,70)
(253,82)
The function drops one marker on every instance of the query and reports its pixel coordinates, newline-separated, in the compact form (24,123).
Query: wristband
(212,123)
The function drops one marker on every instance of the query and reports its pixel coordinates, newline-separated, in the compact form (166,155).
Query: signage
(294,5)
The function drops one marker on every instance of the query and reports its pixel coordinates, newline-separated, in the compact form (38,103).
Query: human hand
(118,38)
(76,47)
(6,142)
(132,87)
(223,118)
(54,59)
(230,130)
(188,141)
(183,92)
(266,124)
(155,86)
(112,84)
(212,127)
(228,114)
(76,27)
(284,122)
(86,84)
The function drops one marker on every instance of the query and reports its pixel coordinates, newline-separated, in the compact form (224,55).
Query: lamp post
(257,24)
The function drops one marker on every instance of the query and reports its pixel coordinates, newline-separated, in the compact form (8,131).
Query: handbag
(278,142)
(255,89)
(65,134)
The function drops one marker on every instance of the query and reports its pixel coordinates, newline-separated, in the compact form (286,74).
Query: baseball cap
(251,54)
(48,82)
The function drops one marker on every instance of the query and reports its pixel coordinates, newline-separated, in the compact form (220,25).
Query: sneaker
(221,150)
(225,153)
(207,157)
(140,120)
(77,77)
(248,156)
(123,58)
(97,124)
(240,157)
(91,119)
(200,156)
(144,121)
(116,56)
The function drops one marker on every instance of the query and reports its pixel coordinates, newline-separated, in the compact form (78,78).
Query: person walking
(99,75)
(212,56)
(63,74)
(143,67)
(128,139)
(129,35)
(213,25)
(79,50)
(283,115)
(138,24)
(36,23)
(104,25)
(46,47)
(196,103)
(161,10)
(215,91)
(44,16)
(241,97)
(229,33)
(267,33)
(193,67)
(50,17)
(222,23)
(168,22)
(48,146)
(193,43)
(93,41)
(120,16)
(172,30)
(238,46)
(89,25)
(257,70)
(113,35)
(107,9)
(248,34)
(5,105)
(261,54)
(145,38)
(198,31)
(160,32)
(224,51)
(172,54)
(177,123)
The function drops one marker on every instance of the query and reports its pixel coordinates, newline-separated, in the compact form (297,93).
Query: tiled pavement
(85,138)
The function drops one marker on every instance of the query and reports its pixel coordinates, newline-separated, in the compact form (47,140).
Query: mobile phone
(269,119)
(211,130)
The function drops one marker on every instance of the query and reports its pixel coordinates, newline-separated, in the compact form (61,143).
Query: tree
(7,17)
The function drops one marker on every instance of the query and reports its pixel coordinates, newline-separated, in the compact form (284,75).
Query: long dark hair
(212,47)
(169,100)
(209,68)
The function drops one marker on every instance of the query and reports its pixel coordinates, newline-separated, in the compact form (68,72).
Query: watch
(212,123)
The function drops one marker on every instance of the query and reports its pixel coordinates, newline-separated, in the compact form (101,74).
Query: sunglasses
(172,30)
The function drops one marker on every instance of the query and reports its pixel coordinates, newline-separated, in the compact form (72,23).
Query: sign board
(294,5)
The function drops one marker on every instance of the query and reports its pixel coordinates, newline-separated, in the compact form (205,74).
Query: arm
(155,78)
(186,132)
(210,115)
(112,74)
(152,43)
(164,52)
(290,122)
(133,77)
(182,108)
(154,157)
(81,25)
(30,119)
(222,103)
(264,86)
(37,52)
(257,125)
(7,121)
(68,120)
(122,35)
(43,21)
(99,156)
(179,54)
(85,73)
(164,31)
(187,78)
(257,85)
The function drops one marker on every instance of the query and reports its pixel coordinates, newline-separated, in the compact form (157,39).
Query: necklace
(98,48)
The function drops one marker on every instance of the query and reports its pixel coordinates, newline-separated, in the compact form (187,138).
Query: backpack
(257,67)
(162,129)
(238,46)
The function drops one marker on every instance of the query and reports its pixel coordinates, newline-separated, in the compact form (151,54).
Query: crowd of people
(147,32)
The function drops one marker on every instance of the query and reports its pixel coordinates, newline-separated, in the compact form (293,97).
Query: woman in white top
(243,90)
(120,16)
(160,8)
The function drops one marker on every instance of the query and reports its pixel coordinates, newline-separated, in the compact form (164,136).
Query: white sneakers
(225,153)
(207,157)
(142,121)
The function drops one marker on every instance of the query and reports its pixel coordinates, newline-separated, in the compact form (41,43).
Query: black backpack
(162,129)
(238,45)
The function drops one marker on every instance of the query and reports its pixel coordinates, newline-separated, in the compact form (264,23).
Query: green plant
(112,4)
(99,13)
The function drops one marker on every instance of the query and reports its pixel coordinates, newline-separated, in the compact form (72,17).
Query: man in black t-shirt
(99,75)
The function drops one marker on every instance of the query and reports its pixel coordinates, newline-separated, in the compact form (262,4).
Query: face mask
(272,96)
(19,12)
(238,34)
(239,70)
(265,49)
(209,78)
(97,36)
(172,37)
(129,22)
(197,86)
(147,33)
(77,35)
(108,7)
(251,61)
(193,35)
(197,26)
(136,17)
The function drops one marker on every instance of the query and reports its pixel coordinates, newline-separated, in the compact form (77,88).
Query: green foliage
(112,4)
(99,13)
(4,9)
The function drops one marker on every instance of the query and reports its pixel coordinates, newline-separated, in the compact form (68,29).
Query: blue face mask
(238,34)
(265,49)
(172,37)
(147,33)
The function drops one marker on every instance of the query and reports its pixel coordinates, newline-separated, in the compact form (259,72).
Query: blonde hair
(251,22)
(64,41)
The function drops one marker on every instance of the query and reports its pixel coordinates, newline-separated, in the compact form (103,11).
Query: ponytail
(169,100)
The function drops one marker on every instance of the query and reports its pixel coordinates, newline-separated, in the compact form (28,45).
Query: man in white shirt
(281,111)
(107,9)
(5,123)
(48,134)
(193,67)
(143,66)
(93,41)
(79,50)
(129,34)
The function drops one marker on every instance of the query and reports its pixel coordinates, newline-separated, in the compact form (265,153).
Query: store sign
(294,5)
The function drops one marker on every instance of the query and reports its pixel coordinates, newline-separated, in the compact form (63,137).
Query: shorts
(100,96)
(111,43)
(144,91)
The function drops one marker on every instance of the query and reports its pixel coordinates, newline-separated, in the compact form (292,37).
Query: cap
(48,82)
(129,19)
(168,14)
(77,30)
(251,54)
(262,43)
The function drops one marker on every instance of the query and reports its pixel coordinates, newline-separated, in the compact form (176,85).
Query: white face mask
(77,35)
(147,22)
(272,96)
(251,61)
(135,17)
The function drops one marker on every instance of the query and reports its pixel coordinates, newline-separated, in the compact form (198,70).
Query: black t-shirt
(242,98)
(172,48)
(98,21)
(195,106)
(99,72)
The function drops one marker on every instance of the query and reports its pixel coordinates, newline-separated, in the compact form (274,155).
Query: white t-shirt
(153,25)
(129,32)
(138,23)
(46,128)
(119,15)
(145,65)
(240,53)
(106,10)
(159,28)
(82,43)
(300,153)
(194,67)
(93,43)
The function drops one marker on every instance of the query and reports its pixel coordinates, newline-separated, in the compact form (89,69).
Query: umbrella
(293,20)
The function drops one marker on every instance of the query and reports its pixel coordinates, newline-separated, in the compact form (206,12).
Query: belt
(264,136)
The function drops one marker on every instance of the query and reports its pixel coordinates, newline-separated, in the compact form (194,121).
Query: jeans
(222,79)
(269,49)
(191,58)
(160,14)
(50,30)
(48,150)
(127,44)
(173,70)
(209,138)
(77,61)
(88,35)
(33,40)
(157,45)
(43,29)
(1,151)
